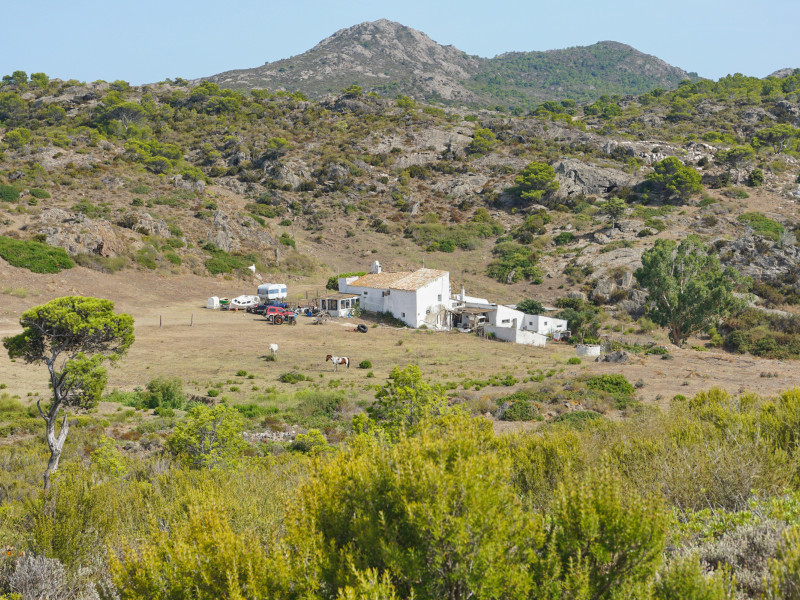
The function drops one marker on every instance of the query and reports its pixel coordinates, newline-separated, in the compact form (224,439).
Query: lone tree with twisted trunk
(73,336)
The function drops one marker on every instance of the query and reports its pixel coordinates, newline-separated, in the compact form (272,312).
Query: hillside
(172,178)
(210,461)
(391,59)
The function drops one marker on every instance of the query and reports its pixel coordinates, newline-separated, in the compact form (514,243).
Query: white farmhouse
(417,298)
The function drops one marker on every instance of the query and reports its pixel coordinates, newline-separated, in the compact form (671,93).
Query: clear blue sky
(146,41)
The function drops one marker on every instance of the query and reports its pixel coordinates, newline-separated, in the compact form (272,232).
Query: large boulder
(577,179)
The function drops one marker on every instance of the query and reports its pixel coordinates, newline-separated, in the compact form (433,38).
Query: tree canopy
(687,287)
(536,180)
(674,179)
(530,307)
(73,336)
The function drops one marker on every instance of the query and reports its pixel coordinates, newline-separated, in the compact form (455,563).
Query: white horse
(338,360)
(273,349)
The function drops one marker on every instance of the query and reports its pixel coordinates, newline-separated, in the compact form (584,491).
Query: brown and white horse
(338,360)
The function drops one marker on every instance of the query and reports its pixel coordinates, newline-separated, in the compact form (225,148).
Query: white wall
(544,324)
(509,334)
(431,299)
(505,316)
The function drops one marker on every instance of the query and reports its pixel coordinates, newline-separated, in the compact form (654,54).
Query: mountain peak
(390,58)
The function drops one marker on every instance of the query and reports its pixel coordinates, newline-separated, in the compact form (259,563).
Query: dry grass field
(217,345)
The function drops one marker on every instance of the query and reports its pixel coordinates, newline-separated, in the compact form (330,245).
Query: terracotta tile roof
(418,279)
(403,280)
(379,280)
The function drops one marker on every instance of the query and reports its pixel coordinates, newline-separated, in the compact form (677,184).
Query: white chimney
(376,267)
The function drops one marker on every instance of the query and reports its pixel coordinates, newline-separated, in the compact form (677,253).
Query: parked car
(261,307)
(277,315)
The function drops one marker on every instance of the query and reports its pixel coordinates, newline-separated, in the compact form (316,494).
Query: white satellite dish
(252,268)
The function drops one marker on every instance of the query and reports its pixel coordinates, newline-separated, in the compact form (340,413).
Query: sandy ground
(177,336)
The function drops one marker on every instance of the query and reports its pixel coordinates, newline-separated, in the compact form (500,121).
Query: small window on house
(365,293)
(440,297)
(404,314)
(506,320)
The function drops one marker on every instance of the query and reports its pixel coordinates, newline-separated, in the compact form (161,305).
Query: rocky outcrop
(759,257)
(427,145)
(145,224)
(788,112)
(78,234)
(618,356)
(577,179)
(462,185)
(241,234)
(192,185)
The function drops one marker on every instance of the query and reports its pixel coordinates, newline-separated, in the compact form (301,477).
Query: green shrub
(578,419)
(222,262)
(146,260)
(164,392)
(365,364)
(612,383)
(213,393)
(312,442)
(514,262)
(90,210)
(333,282)
(736,193)
(34,256)
(252,410)
(39,193)
(8,193)
(209,437)
(291,377)
(565,237)
(520,411)
(762,225)
(286,240)
(574,360)
(755,178)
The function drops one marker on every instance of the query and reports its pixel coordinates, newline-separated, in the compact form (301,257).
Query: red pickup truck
(277,315)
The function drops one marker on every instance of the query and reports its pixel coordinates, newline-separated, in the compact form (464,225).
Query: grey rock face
(145,224)
(463,185)
(236,234)
(78,234)
(181,183)
(759,257)
(576,179)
